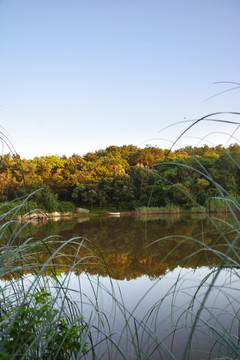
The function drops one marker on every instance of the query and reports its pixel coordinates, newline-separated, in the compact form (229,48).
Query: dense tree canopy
(125,177)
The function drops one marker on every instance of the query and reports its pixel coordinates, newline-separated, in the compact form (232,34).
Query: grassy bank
(30,209)
(27,205)
(214,205)
(170,209)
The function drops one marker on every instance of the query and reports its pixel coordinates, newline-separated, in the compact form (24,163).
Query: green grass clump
(168,209)
(219,205)
(20,206)
(198,209)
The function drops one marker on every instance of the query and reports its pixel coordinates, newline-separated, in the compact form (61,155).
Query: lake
(146,280)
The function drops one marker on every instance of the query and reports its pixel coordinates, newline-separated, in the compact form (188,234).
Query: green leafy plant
(37,322)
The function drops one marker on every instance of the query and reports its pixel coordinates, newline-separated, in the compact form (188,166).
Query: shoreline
(44,216)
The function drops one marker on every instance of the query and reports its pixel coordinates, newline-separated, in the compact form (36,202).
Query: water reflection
(129,247)
(161,313)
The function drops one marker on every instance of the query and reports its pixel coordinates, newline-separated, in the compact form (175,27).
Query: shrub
(37,321)
(45,199)
(66,206)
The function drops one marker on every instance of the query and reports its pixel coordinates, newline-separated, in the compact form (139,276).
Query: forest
(123,177)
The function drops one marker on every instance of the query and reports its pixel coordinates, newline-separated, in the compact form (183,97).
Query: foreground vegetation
(37,319)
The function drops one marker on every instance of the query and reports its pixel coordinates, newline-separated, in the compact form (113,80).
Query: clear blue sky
(79,75)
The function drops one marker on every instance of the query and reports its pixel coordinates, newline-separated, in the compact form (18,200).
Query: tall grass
(218,205)
(169,209)
(46,316)
(226,341)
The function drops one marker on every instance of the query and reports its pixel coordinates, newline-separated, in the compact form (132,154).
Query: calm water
(154,283)
(136,246)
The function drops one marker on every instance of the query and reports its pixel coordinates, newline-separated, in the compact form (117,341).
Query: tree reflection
(128,247)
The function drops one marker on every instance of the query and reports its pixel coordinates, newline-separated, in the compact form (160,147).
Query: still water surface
(160,270)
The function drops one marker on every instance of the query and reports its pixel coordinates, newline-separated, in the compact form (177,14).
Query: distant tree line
(125,177)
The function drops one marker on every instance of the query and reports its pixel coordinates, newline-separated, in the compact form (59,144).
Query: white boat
(116,214)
